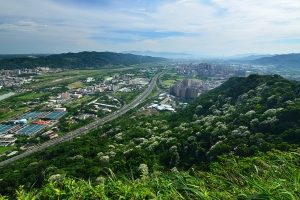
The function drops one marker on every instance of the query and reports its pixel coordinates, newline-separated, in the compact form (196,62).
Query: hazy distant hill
(284,60)
(77,60)
(251,56)
(160,54)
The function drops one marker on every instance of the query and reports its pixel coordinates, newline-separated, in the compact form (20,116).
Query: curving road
(87,128)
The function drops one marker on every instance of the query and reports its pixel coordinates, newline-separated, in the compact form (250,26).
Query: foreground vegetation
(275,175)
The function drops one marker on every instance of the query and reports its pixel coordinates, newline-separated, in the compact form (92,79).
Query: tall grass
(274,176)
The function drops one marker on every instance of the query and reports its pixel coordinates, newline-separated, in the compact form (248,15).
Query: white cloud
(210,26)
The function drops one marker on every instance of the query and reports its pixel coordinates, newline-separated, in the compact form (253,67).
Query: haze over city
(199,27)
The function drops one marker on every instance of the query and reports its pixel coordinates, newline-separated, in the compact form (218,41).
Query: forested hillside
(231,127)
(77,60)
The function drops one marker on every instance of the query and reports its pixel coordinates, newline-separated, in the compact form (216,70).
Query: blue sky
(200,27)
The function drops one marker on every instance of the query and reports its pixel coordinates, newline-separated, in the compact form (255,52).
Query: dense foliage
(274,175)
(243,117)
(82,60)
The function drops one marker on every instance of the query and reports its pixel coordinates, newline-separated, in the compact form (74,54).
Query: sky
(199,27)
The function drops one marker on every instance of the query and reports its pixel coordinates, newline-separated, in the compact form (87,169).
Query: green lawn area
(12,113)
(85,99)
(5,91)
(3,149)
(76,84)
(170,82)
(129,96)
(153,93)
(30,96)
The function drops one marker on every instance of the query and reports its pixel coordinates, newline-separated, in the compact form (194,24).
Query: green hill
(231,139)
(77,60)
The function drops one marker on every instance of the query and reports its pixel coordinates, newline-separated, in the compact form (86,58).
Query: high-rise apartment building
(185,89)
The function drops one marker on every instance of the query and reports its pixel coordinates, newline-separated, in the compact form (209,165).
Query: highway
(87,128)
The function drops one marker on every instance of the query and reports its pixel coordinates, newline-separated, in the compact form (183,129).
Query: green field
(76,84)
(12,113)
(30,96)
(168,79)
(3,149)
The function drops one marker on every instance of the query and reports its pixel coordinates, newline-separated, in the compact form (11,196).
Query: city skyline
(199,27)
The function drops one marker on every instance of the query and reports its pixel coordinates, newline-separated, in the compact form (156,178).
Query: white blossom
(104,159)
(142,140)
(77,157)
(270,112)
(152,146)
(111,154)
(254,123)
(222,137)
(241,131)
(250,113)
(33,163)
(241,98)
(119,137)
(262,87)
(191,139)
(170,139)
(215,145)
(167,132)
(100,179)
(173,149)
(270,120)
(55,177)
(174,170)
(143,169)
(198,134)
(100,154)
(128,151)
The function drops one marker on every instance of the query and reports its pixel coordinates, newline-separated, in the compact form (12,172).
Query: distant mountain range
(282,61)
(161,54)
(80,60)
(251,56)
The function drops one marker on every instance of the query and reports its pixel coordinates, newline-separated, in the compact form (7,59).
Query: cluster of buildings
(10,78)
(124,83)
(9,81)
(192,88)
(115,84)
(29,124)
(165,103)
(38,70)
(208,69)
(188,89)
(161,107)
